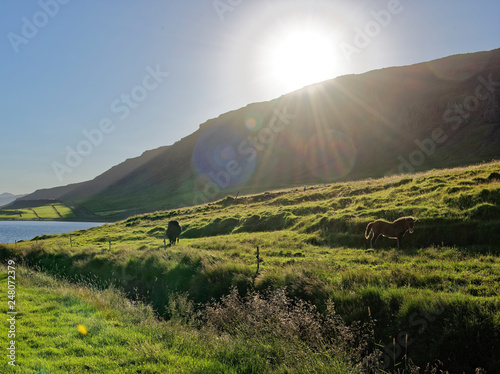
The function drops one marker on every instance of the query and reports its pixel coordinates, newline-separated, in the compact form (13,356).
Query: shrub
(290,330)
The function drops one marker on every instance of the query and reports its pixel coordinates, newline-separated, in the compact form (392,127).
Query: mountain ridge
(441,113)
(7,198)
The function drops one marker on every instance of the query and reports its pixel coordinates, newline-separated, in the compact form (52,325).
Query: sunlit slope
(39,210)
(458,206)
(454,206)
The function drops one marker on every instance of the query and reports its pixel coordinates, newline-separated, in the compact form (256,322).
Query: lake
(12,231)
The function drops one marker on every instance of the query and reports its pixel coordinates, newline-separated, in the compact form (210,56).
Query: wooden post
(258,261)
(110,244)
(165,240)
(70,242)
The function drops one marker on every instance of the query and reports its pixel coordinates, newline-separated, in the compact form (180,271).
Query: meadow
(44,210)
(318,300)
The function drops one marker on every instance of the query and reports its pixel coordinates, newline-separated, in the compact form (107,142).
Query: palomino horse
(394,230)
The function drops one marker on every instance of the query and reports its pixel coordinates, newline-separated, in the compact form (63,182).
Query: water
(12,231)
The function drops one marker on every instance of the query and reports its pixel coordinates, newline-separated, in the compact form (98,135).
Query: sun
(302,58)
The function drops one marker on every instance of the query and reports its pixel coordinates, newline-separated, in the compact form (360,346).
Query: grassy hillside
(40,210)
(437,298)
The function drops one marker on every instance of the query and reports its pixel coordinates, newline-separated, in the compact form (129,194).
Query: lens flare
(254,121)
(251,123)
(331,155)
(224,156)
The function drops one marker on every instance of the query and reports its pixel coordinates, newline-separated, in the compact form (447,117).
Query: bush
(290,331)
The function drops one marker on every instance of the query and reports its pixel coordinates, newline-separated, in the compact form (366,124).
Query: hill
(7,198)
(442,113)
(437,298)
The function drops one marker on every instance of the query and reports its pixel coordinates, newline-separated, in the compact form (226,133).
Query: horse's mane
(405,218)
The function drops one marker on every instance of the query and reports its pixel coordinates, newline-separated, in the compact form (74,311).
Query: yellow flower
(82,329)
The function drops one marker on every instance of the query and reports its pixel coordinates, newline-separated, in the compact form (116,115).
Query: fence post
(258,261)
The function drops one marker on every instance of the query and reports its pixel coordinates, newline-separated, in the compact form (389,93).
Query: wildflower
(82,329)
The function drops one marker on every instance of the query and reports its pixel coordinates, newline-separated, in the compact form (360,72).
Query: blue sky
(88,84)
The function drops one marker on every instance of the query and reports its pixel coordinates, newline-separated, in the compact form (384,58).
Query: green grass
(121,337)
(442,289)
(125,337)
(45,211)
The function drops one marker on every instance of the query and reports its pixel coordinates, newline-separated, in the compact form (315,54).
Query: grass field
(67,328)
(437,298)
(118,336)
(44,211)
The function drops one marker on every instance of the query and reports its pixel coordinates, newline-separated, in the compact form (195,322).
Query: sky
(84,85)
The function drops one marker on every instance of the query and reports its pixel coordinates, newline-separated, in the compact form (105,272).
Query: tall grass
(121,336)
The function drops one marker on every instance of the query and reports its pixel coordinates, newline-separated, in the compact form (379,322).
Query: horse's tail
(368,229)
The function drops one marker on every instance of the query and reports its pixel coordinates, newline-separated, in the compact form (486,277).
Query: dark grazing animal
(173,232)
(394,230)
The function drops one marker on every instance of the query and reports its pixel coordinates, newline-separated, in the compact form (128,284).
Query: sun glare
(303,58)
